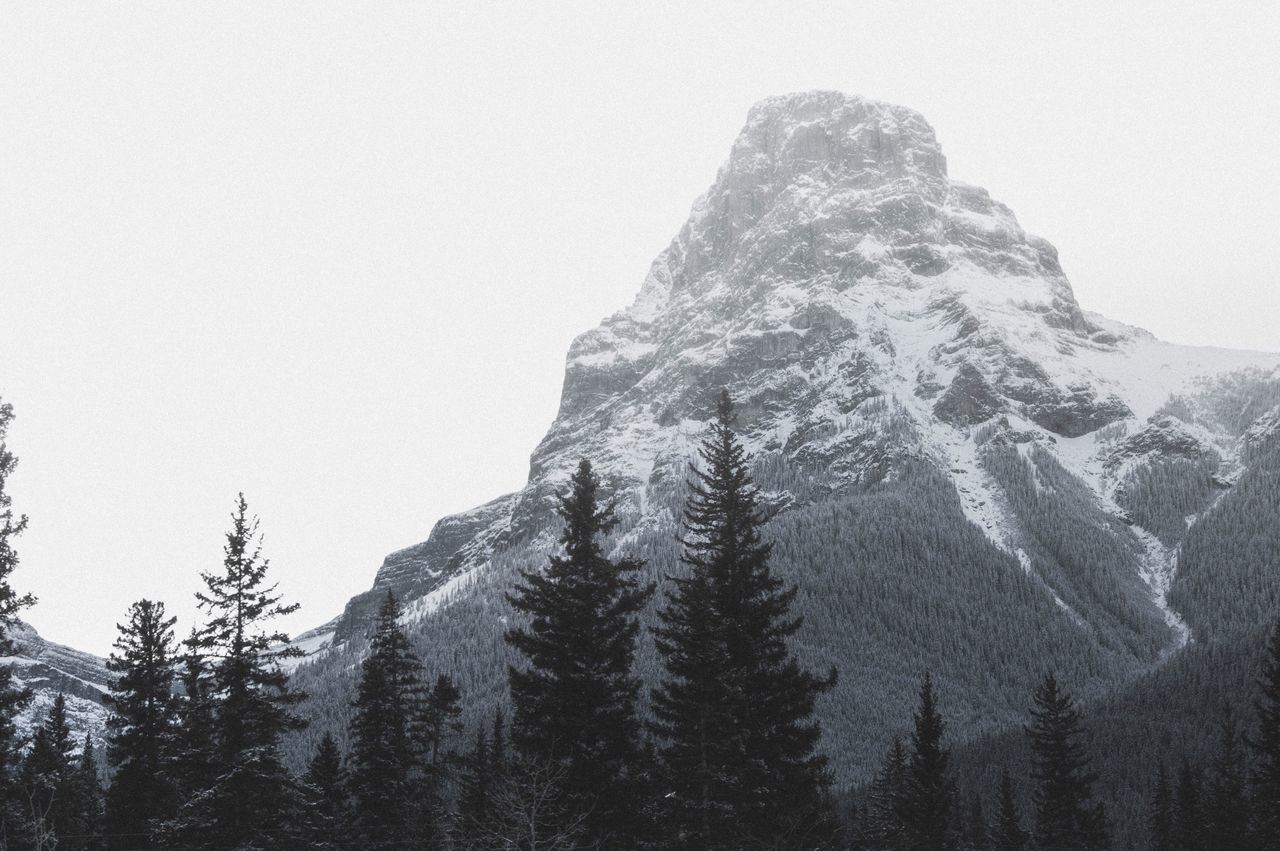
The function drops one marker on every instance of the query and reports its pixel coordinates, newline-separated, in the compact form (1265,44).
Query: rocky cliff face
(49,669)
(906,359)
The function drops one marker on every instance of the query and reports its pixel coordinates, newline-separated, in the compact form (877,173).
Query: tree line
(722,754)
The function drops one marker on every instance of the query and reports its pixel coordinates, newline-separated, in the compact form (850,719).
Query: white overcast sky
(333,255)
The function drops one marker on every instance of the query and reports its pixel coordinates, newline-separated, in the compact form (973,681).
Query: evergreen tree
(1160,821)
(252,801)
(87,800)
(735,709)
(191,755)
(1188,813)
(475,798)
(1007,834)
(1066,816)
(1226,817)
(1265,746)
(12,698)
(141,727)
(324,795)
(386,752)
(48,781)
(440,718)
(928,796)
(575,705)
(884,822)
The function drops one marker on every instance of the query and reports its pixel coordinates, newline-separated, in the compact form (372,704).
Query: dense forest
(725,751)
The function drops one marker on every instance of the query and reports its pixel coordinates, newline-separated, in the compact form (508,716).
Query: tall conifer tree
(735,709)
(386,747)
(141,727)
(884,824)
(1067,817)
(48,780)
(253,800)
(324,793)
(928,791)
(1007,833)
(12,698)
(575,705)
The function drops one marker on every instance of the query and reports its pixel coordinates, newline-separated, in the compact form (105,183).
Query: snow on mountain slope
(884,330)
(49,669)
(834,261)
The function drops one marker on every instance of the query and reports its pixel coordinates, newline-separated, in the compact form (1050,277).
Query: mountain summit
(965,471)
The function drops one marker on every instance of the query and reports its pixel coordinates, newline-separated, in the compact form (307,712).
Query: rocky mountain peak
(866,311)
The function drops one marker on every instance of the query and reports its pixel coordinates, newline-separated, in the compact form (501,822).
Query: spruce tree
(1226,817)
(192,754)
(1007,833)
(475,797)
(252,801)
(884,822)
(386,752)
(575,703)
(324,795)
(12,698)
(734,708)
(1066,815)
(48,781)
(1265,747)
(928,797)
(1160,818)
(87,790)
(141,727)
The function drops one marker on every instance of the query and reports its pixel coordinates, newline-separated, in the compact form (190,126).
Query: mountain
(966,472)
(49,669)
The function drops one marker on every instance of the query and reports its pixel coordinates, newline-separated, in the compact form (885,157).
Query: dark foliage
(575,705)
(734,711)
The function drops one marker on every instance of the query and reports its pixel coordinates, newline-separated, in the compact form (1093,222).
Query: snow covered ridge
(965,471)
(834,267)
(49,669)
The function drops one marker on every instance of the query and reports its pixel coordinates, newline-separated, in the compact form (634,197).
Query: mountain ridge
(908,364)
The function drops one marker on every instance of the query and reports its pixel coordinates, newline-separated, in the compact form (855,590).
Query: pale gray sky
(333,255)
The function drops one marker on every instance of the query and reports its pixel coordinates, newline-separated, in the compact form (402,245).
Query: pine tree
(386,755)
(735,709)
(324,796)
(1066,816)
(253,800)
(1007,834)
(12,699)
(87,797)
(141,727)
(1265,746)
(928,796)
(1226,821)
(192,753)
(1188,813)
(48,779)
(575,705)
(885,825)
(475,798)
(1160,819)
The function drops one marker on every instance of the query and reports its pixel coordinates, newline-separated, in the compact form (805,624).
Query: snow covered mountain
(967,471)
(49,669)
